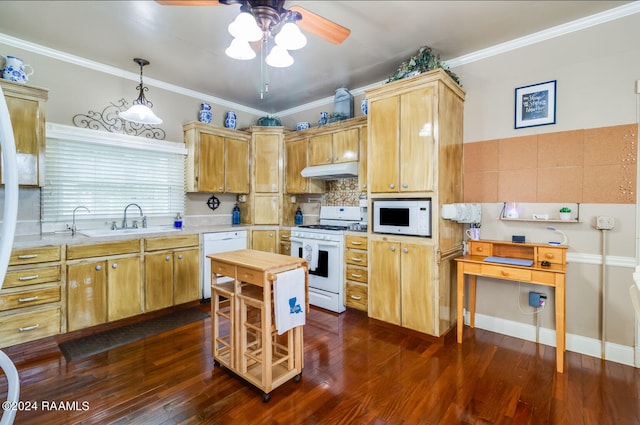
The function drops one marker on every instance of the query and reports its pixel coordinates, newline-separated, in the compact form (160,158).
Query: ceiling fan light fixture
(290,37)
(245,27)
(279,57)
(240,49)
(140,112)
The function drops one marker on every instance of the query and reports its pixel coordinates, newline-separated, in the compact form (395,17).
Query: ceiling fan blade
(189,2)
(323,28)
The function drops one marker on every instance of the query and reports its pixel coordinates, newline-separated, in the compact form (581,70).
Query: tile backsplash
(343,192)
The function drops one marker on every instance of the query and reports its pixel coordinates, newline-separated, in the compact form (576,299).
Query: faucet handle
(135,224)
(144,221)
(114,226)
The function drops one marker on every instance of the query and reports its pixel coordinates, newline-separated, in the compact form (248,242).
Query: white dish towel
(310,252)
(289,300)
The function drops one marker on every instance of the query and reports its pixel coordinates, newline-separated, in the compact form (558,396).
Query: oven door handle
(318,241)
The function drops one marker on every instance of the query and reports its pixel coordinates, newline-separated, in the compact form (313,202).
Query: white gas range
(322,245)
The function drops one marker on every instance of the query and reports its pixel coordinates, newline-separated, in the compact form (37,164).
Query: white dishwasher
(214,243)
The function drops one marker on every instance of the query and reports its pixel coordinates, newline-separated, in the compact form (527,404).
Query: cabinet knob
(405,250)
(328,159)
(114,266)
(270,235)
(98,268)
(392,185)
(221,188)
(549,255)
(335,158)
(168,258)
(228,188)
(180,257)
(393,249)
(364,186)
(404,185)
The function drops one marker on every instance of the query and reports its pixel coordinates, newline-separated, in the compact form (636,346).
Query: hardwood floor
(357,371)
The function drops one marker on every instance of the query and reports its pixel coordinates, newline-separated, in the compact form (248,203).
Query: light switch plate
(604,222)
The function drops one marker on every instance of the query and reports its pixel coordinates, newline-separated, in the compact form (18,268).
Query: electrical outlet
(604,222)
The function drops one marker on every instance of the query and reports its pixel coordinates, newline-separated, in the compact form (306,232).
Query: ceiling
(185,45)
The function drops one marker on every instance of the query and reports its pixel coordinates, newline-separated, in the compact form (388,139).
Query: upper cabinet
(336,147)
(296,159)
(267,154)
(27,107)
(218,159)
(410,123)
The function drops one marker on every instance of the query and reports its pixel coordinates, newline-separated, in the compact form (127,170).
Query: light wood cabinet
(266,209)
(356,272)
(401,284)
(86,295)
(27,107)
(335,147)
(285,242)
(124,287)
(267,154)
(363,160)
(297,159)
(30,300)
(265,240)
(172,271)
(217,159)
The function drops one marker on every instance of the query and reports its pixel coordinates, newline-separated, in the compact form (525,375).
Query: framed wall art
(535,105)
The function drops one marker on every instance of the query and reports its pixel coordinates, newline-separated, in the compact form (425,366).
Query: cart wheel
(266,397)
(297,378)
(216,363)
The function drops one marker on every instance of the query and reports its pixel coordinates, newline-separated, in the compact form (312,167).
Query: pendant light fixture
(140,112)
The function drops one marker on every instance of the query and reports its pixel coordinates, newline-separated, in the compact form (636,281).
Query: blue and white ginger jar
(230,120)
(205,113)
(323,118)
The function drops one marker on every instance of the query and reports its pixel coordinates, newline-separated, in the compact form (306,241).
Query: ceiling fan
(271,15)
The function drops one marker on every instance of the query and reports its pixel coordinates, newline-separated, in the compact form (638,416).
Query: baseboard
(575,343)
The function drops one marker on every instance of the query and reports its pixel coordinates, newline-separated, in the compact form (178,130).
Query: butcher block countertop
(259,260)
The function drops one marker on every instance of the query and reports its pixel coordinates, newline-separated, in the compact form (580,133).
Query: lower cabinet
(285,242)
(124,288)
(401,286)
(86,295)
(265,240)
(355,258)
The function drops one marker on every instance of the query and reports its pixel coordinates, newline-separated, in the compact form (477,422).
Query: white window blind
(105,177)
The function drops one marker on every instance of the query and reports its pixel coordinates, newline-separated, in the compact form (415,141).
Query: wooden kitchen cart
(549,268)
(244,337)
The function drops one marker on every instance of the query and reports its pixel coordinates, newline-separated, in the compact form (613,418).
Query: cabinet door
(186,276)
(296,161)
(124,288)
(267,163)
(25,120)
(362,160)
(384,119)
(267,209)
(416,140)
(211,163)
(86,295)
(384,283)
(417,288)
(158,280)
(321,149)
(264,240)
(236,166)
(345,145)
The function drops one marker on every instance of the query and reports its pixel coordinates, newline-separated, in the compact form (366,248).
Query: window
(105,172)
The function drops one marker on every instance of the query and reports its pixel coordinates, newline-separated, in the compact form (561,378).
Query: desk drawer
(250,276)
(358,258)
(551,254)
(359,275)
(480,248)
(223,269)
(29,298)
(32,276)
(510,273)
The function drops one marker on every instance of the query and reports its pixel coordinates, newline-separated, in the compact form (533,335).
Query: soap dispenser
(177,222)
(299,217)
(235,215)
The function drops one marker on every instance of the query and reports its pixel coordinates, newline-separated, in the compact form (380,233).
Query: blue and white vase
(205,113)
(15,70)
(364,106)
(303,125)
(323,118)
(230,120)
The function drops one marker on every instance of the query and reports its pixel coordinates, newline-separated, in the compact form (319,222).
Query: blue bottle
(299,217)
(235,215)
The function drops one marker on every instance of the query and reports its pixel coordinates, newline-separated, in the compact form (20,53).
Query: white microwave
(411,217)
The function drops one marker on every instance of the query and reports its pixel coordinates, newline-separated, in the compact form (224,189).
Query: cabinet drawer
(32,276)
(285,235)
(39,254)
(356,296)
(171,242)
(356,257)
(510,273)
(356,242)
(359,275)
(250,276)
(128,246)
(551,254)
(29,298)
(480,248)
(19,328)
(223,269)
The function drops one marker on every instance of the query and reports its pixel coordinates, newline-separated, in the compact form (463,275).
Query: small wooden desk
(553,275)
(251,348)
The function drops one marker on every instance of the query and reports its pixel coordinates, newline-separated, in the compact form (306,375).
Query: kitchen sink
(97,233)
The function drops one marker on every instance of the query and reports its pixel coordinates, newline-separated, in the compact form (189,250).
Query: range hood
(343,170)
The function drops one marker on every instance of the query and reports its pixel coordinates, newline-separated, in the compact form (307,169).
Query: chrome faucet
(124,221)
(73,224)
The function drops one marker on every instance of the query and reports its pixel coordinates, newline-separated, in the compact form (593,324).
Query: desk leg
(460,301)
(560,325)
(472,300)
